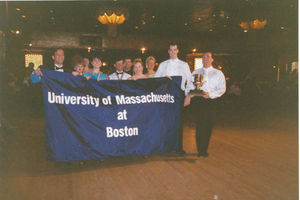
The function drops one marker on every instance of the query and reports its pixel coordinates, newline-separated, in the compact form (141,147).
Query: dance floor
(251,156)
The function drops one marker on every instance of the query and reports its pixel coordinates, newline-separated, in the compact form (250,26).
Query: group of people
(81,68)
(206,105)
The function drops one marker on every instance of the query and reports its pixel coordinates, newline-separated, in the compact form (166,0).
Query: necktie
(118,73)
(59,68)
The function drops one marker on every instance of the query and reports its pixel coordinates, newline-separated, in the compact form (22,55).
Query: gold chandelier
(255,24)
(112,19)
(112,16)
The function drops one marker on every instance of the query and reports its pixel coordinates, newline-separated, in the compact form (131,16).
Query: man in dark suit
(58,58)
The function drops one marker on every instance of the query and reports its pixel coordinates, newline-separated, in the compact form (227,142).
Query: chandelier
(255,24)
(112,19)
(112,16)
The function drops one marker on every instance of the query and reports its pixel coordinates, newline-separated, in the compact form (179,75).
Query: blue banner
(89,120)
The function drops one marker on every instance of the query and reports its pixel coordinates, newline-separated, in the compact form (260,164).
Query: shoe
(203,155)
(181,152)
(200,155)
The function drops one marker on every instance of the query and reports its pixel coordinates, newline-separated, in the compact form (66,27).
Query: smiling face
(173,51)
(127,64)
(79,68)
(86,61)
(59,57)
(119,65)
(151,64)
(138,68)
(207,60)
(96,63)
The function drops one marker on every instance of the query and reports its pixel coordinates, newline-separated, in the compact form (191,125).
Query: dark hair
(55,50)
(127,57)
(77,60)
(98,57)
(118,59)
(212,54)
(173,43)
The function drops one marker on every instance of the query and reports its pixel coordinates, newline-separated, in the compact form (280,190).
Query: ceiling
(201,23)
(167,17)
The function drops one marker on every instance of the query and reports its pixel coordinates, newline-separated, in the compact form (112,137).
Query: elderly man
(206,106)
(176,67)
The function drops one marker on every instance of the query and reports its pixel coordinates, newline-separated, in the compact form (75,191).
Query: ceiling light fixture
(112,16)
(255,24)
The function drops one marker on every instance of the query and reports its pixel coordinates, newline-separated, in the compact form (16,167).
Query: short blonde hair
(150,58)
(138,60)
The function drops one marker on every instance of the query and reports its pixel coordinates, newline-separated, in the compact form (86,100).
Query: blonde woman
(138,67)
(150,64)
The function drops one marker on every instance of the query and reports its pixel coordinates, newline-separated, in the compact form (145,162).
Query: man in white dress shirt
(176,67)
(206,106)
(119,74)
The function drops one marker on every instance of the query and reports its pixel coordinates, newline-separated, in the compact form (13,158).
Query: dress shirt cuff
(188,89)
(212,95)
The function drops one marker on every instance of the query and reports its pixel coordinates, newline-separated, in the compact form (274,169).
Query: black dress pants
(206,111)
(181,122)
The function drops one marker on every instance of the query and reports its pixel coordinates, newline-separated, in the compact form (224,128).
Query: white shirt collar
(58,66)
(174,60)
(207,69)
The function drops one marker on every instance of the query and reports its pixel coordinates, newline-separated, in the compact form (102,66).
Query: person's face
(173,51)
(150,64)
(207,60)
(59,57)
(119,65)
(138,68)
(96,63)
(86,62)
(128,63)
(79,68)
(31,66)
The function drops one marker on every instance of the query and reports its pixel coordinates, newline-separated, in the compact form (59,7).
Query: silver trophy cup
(198,82)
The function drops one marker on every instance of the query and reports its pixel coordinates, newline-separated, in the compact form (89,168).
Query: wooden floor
(249,158)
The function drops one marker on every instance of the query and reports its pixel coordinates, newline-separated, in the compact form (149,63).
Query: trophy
(198,82)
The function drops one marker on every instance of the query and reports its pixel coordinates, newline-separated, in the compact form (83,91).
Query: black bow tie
(56,68)
(119,73)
